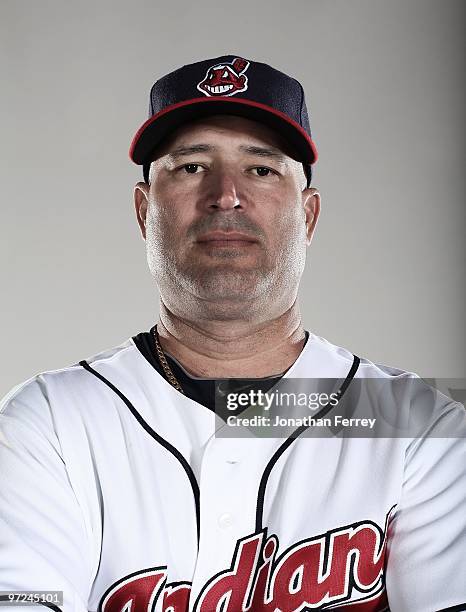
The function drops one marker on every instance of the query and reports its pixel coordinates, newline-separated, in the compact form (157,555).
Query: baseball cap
(231,85)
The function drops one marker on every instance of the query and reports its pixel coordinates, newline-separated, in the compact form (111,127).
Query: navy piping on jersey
(289,441)
(201,391)
(172,449)
(187,468)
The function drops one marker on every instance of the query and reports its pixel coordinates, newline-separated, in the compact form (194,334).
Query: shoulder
(345,357)
(423,405)
(33,400)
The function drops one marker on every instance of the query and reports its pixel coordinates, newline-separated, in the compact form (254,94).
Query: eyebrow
(184,151)
(264,152)
(271,152)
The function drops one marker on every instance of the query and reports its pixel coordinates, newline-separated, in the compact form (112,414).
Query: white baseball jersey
(116,489)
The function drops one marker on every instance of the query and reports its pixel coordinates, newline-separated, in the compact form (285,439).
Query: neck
(233,349)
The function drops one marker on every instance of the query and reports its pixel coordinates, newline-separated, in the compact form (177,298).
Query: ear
(141,203)
(311,205)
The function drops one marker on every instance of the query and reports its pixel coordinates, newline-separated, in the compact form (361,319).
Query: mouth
(219,88)
(227,239)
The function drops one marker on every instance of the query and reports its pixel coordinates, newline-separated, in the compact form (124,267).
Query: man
(119,484)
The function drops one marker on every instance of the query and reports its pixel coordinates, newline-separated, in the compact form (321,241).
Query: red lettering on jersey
(228,590)
(298,577)
(332,568)
(326,569)
(136,593)
(176,597)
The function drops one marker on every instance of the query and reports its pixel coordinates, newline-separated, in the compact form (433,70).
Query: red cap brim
(160,125)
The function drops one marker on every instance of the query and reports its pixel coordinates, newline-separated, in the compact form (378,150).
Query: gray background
(385,90)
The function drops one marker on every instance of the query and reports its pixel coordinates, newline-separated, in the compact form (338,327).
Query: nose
(224,192)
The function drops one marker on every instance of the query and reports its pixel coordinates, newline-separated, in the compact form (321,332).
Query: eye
(190,168)
(264,171)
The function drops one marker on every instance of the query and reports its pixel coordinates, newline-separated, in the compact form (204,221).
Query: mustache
(227,224)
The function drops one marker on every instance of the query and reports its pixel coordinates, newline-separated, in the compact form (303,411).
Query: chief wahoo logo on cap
(225,79)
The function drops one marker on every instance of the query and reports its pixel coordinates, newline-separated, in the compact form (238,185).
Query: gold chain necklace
(164,363)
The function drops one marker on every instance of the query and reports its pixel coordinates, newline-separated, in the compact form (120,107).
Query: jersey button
(225,520)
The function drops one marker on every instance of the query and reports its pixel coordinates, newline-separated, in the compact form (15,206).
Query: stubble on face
(227,282)
(212,273)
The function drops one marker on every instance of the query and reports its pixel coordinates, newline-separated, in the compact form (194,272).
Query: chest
(191,519)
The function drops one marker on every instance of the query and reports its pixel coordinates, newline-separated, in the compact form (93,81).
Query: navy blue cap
(228,85)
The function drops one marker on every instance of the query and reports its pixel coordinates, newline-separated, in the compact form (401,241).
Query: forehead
(224,128)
